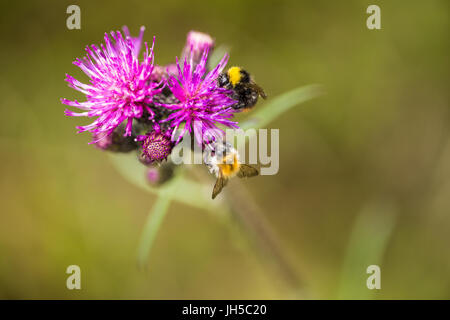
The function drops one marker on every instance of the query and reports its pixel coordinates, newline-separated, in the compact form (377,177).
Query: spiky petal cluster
(202,103)
(120,88)
(137,41)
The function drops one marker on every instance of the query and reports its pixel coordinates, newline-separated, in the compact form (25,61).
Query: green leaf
(274,107)
(184,190)
(152,225)
(179,188)
(368,241)
(132,170)
(217,55)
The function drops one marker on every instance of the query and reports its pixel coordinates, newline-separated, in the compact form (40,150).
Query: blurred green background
(364,169)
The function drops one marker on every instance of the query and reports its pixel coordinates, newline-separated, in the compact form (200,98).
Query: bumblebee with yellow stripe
(223,161)
(245,90)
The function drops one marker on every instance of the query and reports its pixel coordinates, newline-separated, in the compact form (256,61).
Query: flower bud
(158,175)
(115,142)
(156,146)
(196,44)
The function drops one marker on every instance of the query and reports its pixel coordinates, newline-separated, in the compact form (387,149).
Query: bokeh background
(364,169)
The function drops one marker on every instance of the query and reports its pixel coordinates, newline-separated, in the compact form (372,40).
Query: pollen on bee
(234,73)
(229,166)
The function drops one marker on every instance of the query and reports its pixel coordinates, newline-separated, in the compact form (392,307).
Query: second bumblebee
(245,90)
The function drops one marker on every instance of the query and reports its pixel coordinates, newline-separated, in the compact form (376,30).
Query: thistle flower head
(202,104)
(156,147)
(120,87)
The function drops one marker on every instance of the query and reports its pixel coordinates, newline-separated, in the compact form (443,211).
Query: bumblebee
(245,90)
(224,163)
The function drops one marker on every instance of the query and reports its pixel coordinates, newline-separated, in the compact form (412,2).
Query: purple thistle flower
(120,87)
(202,103)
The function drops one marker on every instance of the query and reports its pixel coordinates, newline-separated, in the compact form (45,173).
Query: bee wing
(220,183)
(247,171)
(258,89)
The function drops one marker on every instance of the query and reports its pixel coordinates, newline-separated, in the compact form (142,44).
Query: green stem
(152,225)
